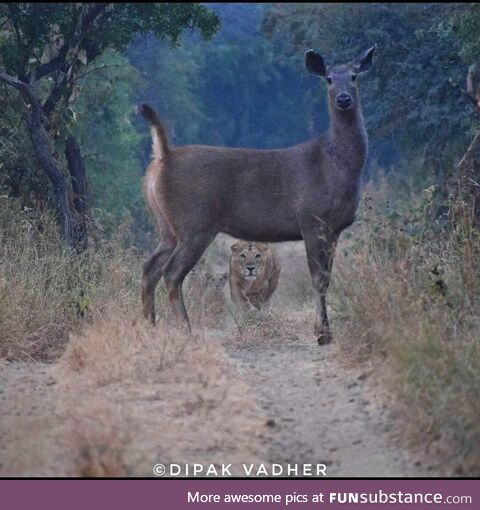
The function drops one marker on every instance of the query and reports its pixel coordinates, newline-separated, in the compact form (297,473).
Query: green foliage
(240,89)
(171,85)
(19,173)
(85,88)
(35,27)
(229,91)
(412,94)
(103,112)
(249,99)
(464,22)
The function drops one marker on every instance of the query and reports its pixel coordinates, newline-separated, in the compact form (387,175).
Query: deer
(308,192)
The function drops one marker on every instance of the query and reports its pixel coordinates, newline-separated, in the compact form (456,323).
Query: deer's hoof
(325,338)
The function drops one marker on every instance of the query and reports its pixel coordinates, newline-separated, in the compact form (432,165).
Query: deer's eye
(329,80)
(354,77)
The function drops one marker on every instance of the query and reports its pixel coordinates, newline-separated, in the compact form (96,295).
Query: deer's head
(341,79)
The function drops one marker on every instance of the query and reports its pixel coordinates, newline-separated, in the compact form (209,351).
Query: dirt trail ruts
(316,411)
(319,412)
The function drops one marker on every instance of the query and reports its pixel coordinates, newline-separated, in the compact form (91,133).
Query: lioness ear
(263,247)
(235,247)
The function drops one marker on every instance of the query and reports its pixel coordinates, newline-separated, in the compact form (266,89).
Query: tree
(463,21)
(46,50)
(230,91)
(414,97)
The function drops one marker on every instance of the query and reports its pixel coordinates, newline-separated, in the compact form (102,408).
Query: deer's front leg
(320,248)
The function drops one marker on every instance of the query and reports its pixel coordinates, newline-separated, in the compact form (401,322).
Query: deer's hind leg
(153,270)
(185,255)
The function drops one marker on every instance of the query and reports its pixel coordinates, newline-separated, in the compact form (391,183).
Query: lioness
(214,297)
(254,274)
(216,281)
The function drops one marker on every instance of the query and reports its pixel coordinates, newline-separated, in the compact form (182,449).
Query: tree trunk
(54,172)
(79,188)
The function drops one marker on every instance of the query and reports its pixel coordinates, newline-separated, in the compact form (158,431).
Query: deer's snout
(344,100)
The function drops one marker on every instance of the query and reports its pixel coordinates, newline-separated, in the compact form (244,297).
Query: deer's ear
(364,61)
(315,64)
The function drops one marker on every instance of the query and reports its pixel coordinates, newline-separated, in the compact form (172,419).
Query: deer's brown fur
(309,191)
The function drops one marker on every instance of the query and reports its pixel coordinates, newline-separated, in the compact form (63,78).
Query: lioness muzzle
(309,191)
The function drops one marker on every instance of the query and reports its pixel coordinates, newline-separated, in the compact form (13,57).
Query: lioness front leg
(240,299)
(259,299)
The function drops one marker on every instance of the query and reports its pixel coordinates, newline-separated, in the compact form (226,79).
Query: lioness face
(216,281)
(250,259)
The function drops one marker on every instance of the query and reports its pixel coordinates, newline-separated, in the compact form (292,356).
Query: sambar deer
(309,191)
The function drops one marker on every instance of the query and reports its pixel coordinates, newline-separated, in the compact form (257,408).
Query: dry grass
(272,326)
(405,300)
(409,305)
(46,292)
(126,387)
(125,396)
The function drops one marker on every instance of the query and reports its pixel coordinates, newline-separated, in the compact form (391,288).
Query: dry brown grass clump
(133,396)
(407,302)
(267,327)
(46,292)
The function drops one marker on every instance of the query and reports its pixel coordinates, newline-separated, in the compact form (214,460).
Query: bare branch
(25,89)
(59,63)
(86,20)
(54,97)
(99,68)
(70,69)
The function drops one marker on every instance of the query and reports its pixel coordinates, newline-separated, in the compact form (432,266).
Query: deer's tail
(160,146)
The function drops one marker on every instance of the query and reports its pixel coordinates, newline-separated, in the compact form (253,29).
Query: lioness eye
(329,80)
(243,256)
(257,256)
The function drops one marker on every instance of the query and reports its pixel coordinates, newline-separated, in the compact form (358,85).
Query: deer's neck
(348,137)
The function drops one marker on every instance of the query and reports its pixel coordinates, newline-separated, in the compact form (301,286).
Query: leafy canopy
(412,98)
(29,30)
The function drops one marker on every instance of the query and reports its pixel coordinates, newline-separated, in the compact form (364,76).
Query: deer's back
(254,194)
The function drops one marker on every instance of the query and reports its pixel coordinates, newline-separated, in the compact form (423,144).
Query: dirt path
(320,412)
(28,435)
(285,401)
